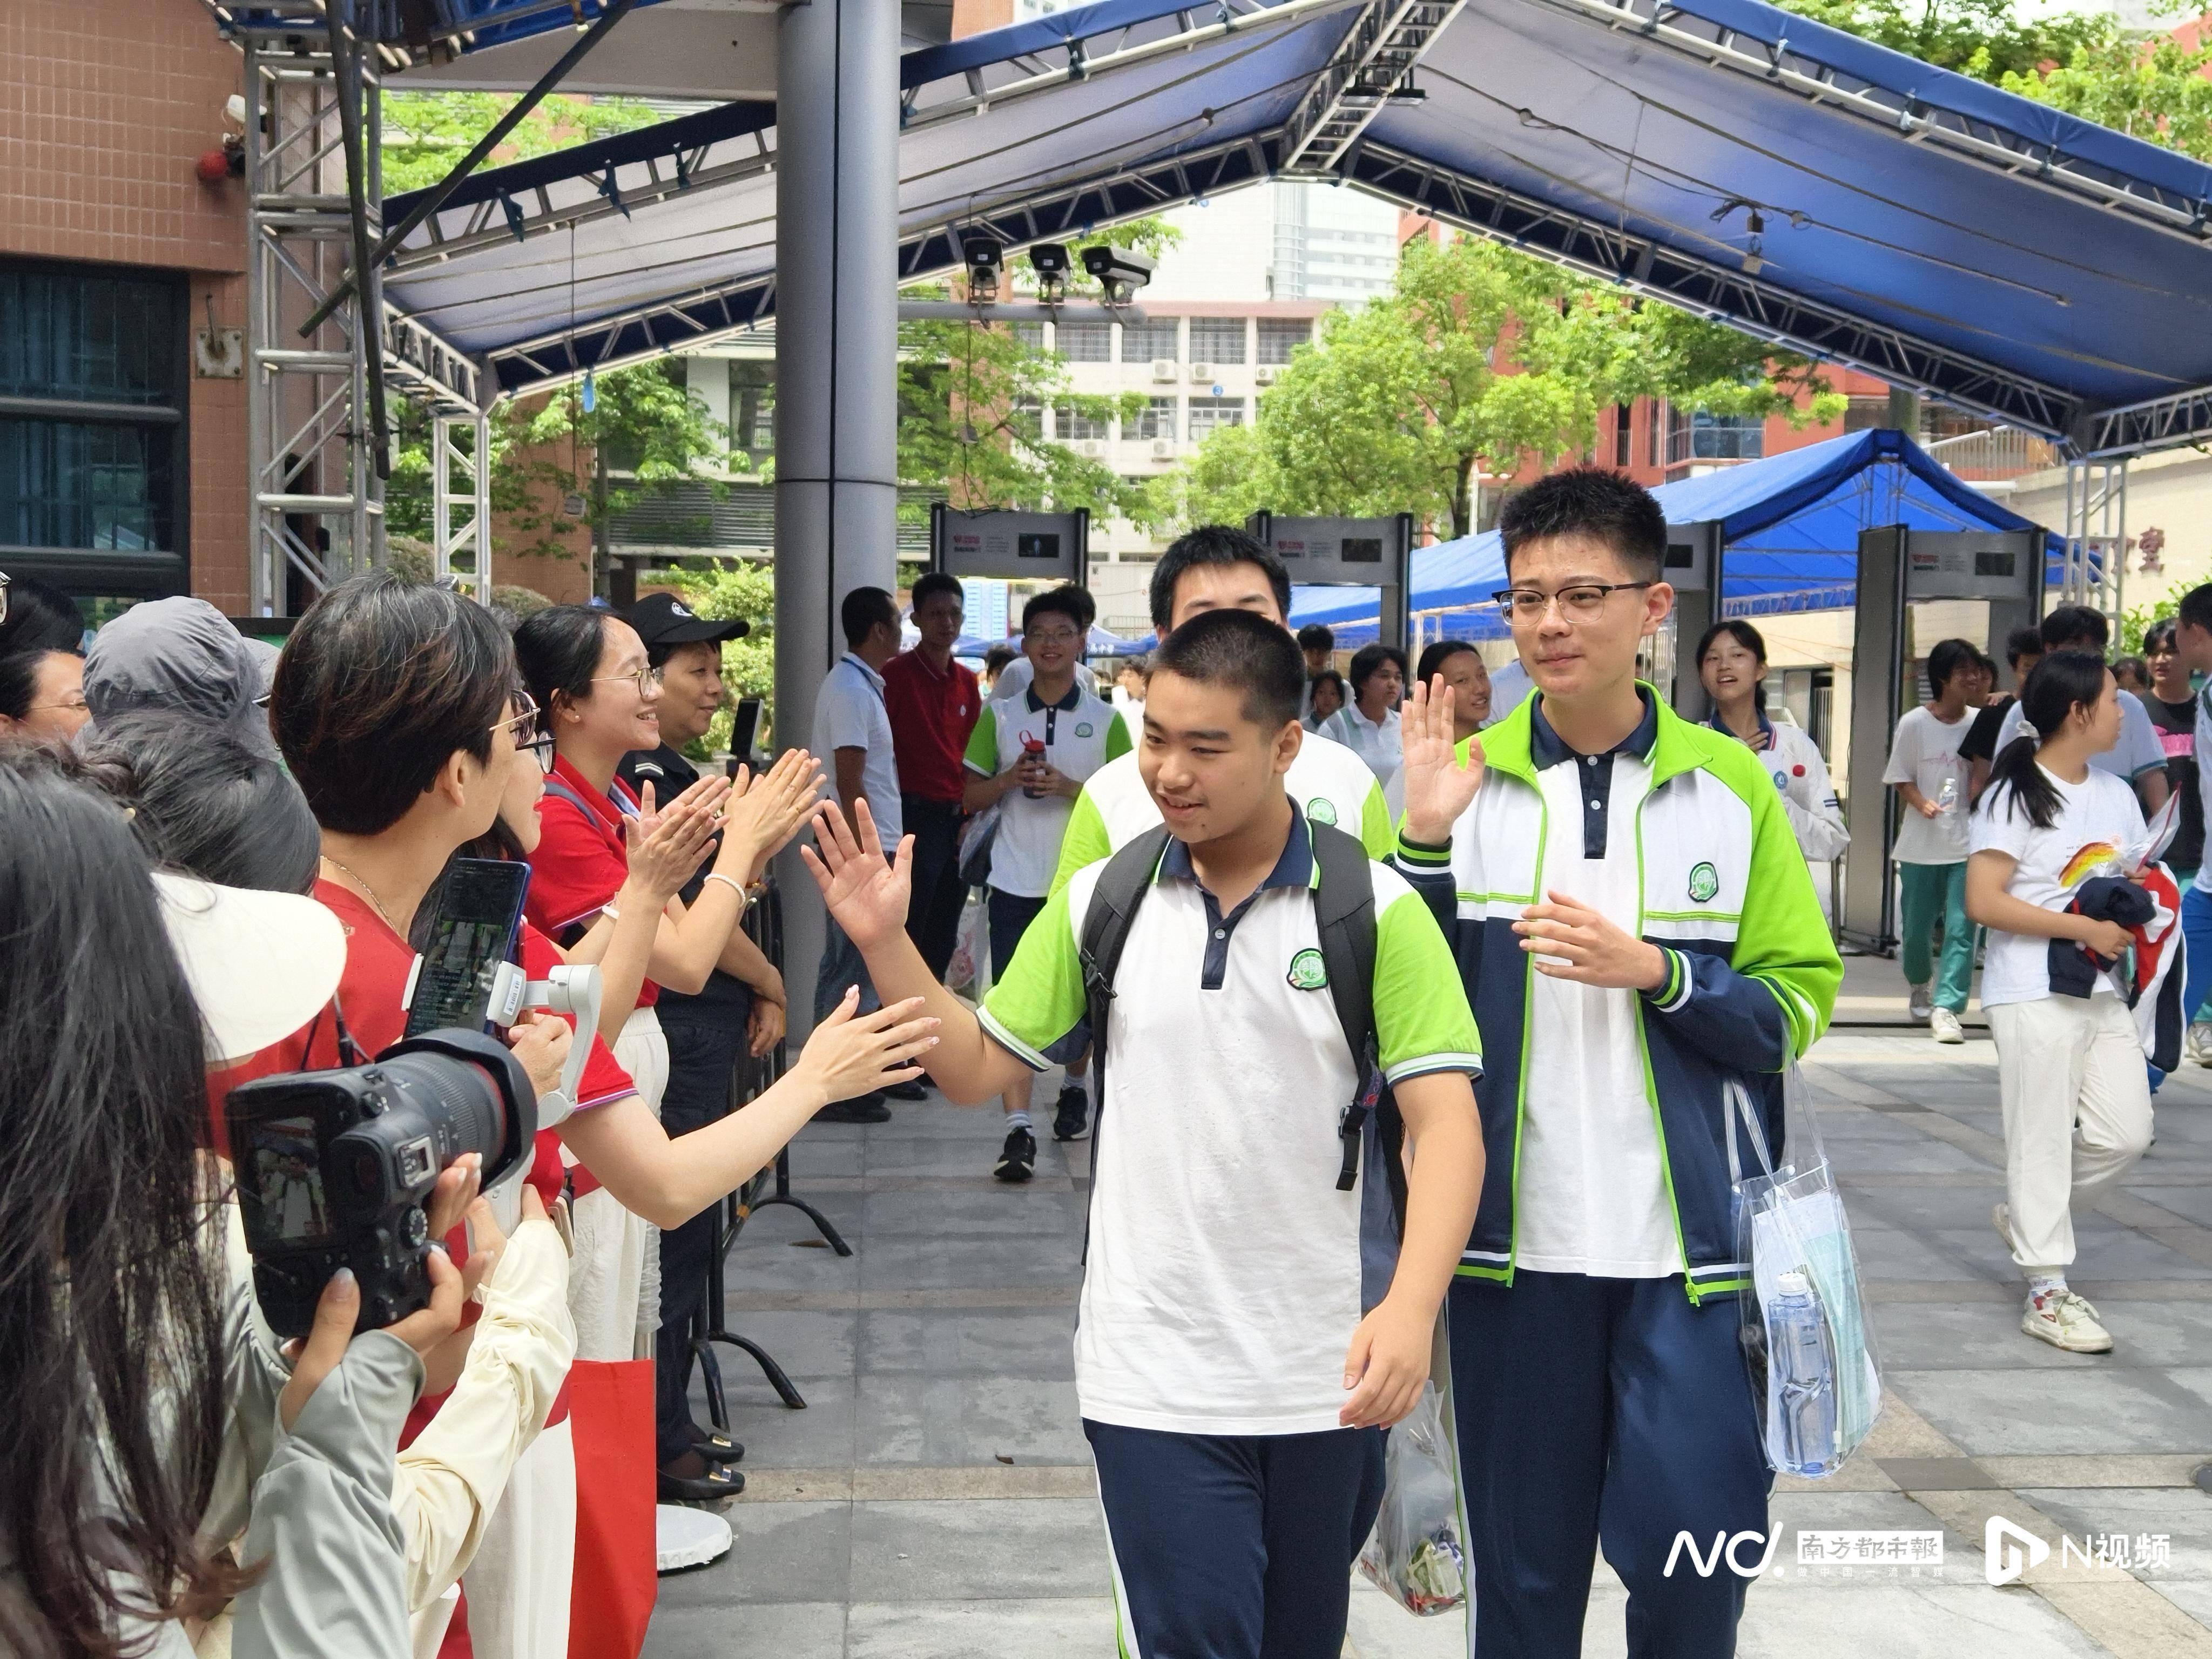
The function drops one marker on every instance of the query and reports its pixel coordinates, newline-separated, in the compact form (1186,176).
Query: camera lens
(458,1095)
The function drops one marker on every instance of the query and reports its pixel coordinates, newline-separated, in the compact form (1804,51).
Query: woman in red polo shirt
(589,673)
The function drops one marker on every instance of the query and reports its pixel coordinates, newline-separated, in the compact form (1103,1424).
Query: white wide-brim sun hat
(260,966)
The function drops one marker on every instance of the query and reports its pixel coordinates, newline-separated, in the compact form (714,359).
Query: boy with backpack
(1637,932)
(1255,983)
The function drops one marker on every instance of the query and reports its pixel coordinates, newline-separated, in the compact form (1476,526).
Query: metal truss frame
(1375,59)
(460,501)
(2096,538)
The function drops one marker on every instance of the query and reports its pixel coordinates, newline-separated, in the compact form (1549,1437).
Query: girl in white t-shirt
(2070,1068)
(1930,851)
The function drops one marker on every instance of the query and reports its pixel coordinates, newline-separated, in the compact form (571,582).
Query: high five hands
(865,891)
(1439,784)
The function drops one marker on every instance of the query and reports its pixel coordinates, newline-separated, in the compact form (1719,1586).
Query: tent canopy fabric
(1791,525)
(1949,237)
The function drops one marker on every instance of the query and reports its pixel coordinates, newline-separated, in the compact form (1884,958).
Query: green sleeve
(1117,737)
(1422,1020)
(1037,998)
(1375,831)
(983,742)
(1084,841)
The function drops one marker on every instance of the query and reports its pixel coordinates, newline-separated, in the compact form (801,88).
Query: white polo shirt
(849,713)
(1592,1192)
(1328,782)
(1078,735)
(1014,679)
(1379,743)
(1223,1280)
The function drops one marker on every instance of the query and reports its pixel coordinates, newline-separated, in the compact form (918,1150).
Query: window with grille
(1624,434)
(93,400)
(1030,334)
(1207,413)
(1281,336)
(1027,418)
(1158,419)
(1070,426)
(1084,343)
(1217,339)
(1141,342)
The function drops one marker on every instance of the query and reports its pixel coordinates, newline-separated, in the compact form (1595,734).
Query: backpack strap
(1344,912)
(559,786)
(1122,887)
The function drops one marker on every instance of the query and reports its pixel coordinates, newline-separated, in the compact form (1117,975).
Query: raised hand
(759,820)
(867,894)
(849,1053)
(1439,785)
(665,854)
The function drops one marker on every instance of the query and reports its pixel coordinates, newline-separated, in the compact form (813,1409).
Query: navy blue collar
(1295,868)
(1066,705)
(1765,727)
(1548,749)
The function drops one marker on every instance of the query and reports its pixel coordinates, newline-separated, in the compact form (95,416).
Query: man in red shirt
(933,703)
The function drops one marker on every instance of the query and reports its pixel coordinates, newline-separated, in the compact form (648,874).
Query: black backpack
(1344,910)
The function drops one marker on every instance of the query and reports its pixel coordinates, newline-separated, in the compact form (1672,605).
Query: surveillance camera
(1049,259)
(1120,271)
(983,257)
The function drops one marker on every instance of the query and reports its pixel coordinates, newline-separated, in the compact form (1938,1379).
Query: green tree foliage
(425,133)
(2085,63)
(1481,357)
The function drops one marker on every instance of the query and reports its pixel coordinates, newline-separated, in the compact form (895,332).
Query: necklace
(366,892)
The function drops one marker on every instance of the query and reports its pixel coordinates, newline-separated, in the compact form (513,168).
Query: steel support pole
(836,371)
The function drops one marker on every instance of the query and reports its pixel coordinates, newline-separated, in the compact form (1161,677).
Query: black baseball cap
(664,619)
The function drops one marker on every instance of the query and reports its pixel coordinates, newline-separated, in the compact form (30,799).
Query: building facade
(122,399)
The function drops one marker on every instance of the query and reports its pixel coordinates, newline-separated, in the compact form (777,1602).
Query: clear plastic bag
(969,969)
(1416,1552)
(1806,1340)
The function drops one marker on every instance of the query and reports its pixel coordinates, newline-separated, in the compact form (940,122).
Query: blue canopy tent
(1791,525)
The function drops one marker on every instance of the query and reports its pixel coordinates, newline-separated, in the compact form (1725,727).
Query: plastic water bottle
(1947,796)
(1802,1376)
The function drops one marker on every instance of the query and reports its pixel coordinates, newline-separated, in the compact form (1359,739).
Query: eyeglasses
(1525,607)
(523,724)
(644,679)
(1052,636)
(75,705)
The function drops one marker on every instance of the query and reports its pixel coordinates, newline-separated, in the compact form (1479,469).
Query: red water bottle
(1032,755)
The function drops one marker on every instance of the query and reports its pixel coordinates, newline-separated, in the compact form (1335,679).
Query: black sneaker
(1071,1120)
(1017,1157)
(913,1090)
(861,1109)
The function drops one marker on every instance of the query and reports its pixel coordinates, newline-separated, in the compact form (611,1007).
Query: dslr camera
(334,1168)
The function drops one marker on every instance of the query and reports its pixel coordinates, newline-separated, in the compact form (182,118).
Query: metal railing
(1991,457)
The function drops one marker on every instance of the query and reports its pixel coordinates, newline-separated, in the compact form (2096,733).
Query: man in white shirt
(853,731)
(1932,779)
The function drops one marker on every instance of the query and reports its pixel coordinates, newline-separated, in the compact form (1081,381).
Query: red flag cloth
(618,1562)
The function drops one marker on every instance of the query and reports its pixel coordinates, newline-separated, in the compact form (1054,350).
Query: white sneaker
(2200,1043)
(1919,1003)
(1944,1025)
(2067,1321)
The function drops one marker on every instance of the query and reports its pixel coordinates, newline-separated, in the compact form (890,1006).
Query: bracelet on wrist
(730,882)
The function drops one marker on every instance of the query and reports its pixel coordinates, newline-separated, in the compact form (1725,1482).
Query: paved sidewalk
(934,1501)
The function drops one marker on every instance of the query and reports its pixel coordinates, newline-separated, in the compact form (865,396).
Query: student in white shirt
(1368,725)
(1231,1366)
(1129,681)
(1925,770)
(2137,755)
(1028,756)
(1732,667)
(2070,1073)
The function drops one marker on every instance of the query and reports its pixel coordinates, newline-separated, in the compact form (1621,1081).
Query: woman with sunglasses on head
(1732,667)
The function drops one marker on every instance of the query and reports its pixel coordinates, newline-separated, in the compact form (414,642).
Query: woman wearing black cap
(740,1008)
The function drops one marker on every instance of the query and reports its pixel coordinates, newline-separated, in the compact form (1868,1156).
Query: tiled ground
(933,1501)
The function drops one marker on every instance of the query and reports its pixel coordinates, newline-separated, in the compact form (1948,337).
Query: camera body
(334,1168)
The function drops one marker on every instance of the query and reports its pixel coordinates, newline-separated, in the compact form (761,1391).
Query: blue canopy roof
(1947,236)
(1790,526)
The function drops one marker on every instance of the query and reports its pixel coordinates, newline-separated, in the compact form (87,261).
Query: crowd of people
(1477,960)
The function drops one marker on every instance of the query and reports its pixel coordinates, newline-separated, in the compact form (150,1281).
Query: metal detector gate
(1052,547)
(1692,567)
(1348,553)
(1898,567)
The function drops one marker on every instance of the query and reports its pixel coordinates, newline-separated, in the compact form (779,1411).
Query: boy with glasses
(1029,757)
(1638,934)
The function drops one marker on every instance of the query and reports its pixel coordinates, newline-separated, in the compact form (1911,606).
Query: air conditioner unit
(1093,447)
(1264,375)
(1201,373)
(1163,449)
(1163,368)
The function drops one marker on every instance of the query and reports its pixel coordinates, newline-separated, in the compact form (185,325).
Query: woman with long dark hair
(130,1353)
(1468,675)
(2070,1071)
(1732,667)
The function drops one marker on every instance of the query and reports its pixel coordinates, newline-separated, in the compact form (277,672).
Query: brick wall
(105,106)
